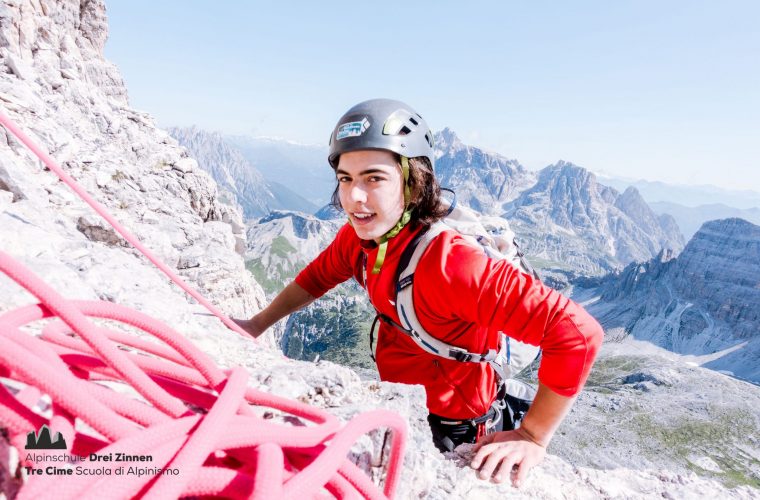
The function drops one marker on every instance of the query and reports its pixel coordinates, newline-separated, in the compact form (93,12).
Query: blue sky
(643,89)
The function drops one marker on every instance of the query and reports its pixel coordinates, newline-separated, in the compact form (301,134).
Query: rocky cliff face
(57,86)
(705,302)
(570,221)
(483,181)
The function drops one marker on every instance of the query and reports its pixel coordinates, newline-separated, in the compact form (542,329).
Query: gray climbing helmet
(381,124)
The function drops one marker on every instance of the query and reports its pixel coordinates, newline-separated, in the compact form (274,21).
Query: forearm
(545,415)
(292,298)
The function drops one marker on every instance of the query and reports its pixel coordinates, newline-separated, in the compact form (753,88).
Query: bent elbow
(596,336)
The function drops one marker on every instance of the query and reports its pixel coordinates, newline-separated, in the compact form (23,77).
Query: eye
(375,178)
(344,178)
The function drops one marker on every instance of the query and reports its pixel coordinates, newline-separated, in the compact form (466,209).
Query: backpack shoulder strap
(503,361)
(405,302)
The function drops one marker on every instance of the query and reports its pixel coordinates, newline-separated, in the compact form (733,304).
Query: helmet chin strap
(403,221)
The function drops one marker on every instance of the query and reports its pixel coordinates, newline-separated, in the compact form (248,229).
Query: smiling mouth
(363,218)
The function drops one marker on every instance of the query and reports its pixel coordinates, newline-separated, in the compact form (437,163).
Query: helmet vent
(399,123)
(429,140)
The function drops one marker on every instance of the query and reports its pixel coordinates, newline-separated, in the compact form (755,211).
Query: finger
(493,460)
(505,468)
(522,471)
(483,449)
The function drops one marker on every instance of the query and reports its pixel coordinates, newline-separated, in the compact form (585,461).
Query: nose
(357,194)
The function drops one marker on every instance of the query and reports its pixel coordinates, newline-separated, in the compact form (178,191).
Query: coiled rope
(175,406)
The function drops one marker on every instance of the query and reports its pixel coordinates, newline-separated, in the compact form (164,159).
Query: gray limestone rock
(704,302)
(86,126)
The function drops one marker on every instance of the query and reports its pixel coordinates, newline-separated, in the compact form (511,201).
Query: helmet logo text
(352,129)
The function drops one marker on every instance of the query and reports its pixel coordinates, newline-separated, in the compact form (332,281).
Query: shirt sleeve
(494,294)
(334,265)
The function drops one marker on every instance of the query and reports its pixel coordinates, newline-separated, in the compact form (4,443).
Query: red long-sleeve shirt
(465,299)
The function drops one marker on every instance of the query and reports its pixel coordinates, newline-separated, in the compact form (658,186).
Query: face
(371,191)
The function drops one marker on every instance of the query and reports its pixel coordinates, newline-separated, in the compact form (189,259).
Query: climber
(382,154)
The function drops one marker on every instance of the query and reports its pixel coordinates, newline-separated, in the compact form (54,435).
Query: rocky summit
(483,181)
(57,86)
(567,220)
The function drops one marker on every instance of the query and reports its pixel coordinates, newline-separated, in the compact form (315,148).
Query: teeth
(362,216)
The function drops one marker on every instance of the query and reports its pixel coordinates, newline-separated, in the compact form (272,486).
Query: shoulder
(450,277)
(452,258)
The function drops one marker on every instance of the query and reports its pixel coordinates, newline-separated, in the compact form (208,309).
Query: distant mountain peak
(566,168)
(235,174)
(631,201)
(593,228)
(732,227)
(482,180)
(700,302)
(632,192)
(447,138)
(563,163)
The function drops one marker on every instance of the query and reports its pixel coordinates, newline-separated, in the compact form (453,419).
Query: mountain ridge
(242,182)
(567,216)
(704,301)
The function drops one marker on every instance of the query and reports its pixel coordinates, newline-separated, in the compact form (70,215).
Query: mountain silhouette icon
(42,440)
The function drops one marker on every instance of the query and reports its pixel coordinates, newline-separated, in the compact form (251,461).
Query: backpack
(497,240)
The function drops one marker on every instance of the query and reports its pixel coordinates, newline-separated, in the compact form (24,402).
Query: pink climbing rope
(174,405)
(187,415)
(101,210)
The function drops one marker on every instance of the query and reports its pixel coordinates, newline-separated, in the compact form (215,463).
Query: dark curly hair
(424,191)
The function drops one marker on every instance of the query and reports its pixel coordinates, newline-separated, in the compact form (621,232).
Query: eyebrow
(363,172)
